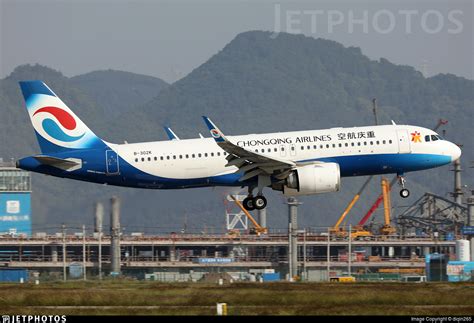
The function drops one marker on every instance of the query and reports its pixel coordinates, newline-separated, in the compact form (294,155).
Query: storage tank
(463,250)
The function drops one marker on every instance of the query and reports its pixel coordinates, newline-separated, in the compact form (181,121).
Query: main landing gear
(403,192)
(258,202)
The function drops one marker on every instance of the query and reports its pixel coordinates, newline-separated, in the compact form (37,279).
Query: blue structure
(436,267)
(460,270)
(15,200)
(13,275)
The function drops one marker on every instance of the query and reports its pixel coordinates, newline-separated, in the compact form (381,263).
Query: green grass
(153,298)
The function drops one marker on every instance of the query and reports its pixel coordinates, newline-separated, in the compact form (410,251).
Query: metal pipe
(329,251)
(64,251)
(84,251)
(457,194)
(349,264)
(293,226)
(470,219)
(98,227)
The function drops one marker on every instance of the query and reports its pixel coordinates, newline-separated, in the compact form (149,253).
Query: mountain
(255,84)
(117,91)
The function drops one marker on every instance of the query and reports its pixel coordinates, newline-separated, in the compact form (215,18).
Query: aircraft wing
(249,162)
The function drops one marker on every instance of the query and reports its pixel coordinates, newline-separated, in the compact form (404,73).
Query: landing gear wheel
(248,203)
(259,202)
(404,193)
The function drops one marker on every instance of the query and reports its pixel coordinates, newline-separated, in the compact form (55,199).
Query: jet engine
(313,179)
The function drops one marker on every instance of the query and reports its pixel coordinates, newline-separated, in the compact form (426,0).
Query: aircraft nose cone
(455,152)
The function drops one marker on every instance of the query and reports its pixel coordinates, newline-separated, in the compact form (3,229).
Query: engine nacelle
(313,179)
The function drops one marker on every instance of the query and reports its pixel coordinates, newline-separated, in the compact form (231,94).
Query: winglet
(215,132)
(171,134)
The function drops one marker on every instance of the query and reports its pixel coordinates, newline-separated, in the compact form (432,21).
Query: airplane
(295,163)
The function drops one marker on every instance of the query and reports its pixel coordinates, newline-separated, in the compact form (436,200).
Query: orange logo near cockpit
(416,136)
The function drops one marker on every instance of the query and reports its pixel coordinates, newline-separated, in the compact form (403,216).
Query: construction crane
(441,122)
(387,228)
(258,228)
(337,229)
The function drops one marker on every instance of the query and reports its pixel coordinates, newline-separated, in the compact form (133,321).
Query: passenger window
(168,157)
(383,142)
(352,144)
(218,153)
(156,158)
(136,160)
(340,145)
(309,147)
(212,154)
(333,145)
(358,144)
(390,141)
(205,154)
(346,144)
(371,143)
(263,150)
(315,146)
(269,150)
(293,148)
(174,156)
(275,150)
(327,146)
(434,138)
(149,158)
(187,156)
(143,159)
(199,155)
(161,158)
(282,148)
(321,146)
(193,155)
(377,142)
(180,156)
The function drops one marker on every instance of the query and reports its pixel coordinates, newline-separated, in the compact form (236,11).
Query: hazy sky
(168,39)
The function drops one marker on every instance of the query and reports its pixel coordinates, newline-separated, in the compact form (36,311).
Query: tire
(404,193)
(259,202)
(248,203)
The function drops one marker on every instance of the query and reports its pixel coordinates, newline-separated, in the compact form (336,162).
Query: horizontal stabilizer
(68,164)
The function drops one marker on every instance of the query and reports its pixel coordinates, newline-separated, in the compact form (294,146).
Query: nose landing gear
(403,192)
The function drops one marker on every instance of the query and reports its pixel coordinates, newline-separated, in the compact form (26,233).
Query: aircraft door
(111,162)
(403,142)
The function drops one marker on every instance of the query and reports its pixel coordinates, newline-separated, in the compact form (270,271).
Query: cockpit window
(427,138)
(434,138)
(439,137)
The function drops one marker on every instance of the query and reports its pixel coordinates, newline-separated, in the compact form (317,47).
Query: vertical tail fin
(57,127)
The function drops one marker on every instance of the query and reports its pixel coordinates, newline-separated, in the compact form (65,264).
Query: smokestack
(115,235)
(99,217)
